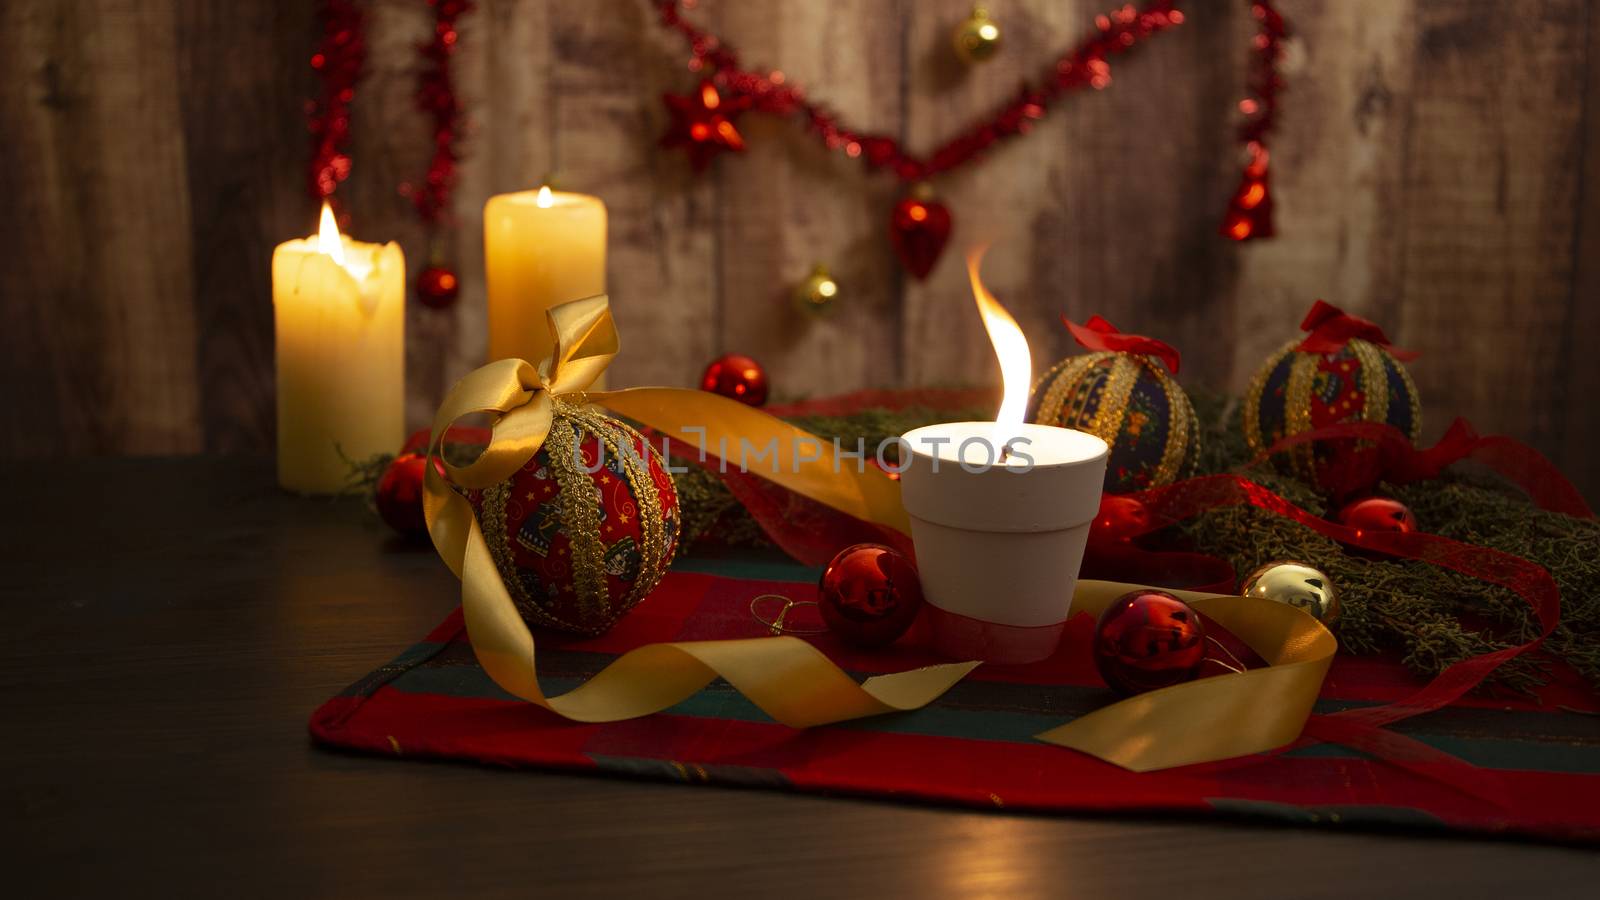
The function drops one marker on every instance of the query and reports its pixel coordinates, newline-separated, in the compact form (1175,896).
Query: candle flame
(546,199)
(328,240)
(1016,362)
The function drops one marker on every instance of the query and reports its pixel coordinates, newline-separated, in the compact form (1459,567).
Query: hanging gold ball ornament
(817,293)
(1297,584)
(977,38)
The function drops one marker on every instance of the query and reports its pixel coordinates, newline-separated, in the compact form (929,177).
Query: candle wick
(1005,451)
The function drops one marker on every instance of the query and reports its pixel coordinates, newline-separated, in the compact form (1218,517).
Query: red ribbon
(1393,458)
(1098,334)
(1330,328)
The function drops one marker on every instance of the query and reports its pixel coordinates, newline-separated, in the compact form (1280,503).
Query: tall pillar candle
(339,312)
(542,248)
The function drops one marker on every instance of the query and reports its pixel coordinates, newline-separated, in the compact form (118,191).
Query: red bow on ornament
(1330,328)
(1098,334)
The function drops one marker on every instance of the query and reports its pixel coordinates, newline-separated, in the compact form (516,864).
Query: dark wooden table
(172,623)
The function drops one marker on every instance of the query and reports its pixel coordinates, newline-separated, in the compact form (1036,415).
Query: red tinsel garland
(436,97)
(1250,211)
(338,62)
(704,121)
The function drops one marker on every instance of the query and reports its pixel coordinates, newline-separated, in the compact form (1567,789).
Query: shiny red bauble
(1148,639)
(438,287)
(1120,519)
(738,377)
(399,496)
(869,595)
(1371,515)
(919,229)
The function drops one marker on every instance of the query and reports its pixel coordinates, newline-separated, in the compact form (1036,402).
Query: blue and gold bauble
(1121,394)
(1344,370)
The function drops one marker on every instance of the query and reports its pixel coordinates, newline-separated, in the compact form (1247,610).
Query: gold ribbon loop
(1213,718)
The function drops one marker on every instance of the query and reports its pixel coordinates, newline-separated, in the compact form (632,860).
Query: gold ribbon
(794,683)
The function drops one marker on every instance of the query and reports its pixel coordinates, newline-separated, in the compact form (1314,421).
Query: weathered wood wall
(1437,170)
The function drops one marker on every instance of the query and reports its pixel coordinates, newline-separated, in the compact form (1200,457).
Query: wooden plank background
(1437,169)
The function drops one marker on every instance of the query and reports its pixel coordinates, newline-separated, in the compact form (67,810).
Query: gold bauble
(817,293)
(977,38)
(1297,584)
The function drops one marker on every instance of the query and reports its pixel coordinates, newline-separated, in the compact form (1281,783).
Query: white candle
(1000,514)
(541,249)
(339,312)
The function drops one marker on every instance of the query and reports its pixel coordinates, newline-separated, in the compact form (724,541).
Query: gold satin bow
(1209,719)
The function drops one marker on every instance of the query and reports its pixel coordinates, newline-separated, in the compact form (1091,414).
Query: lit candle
(339,308)
(541,248)
(1000,514)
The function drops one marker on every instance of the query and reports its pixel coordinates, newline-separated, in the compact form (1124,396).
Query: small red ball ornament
(399,496)
(738,377)
(919,229)
(1375,514)
(1120,518)
(869,595)
(1146,640)
(438,287)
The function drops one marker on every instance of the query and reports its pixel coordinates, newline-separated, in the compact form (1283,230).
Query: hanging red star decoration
(702,123)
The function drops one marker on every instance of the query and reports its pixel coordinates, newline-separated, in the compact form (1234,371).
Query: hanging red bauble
(1148,639)
(736,376)
(437,287)
(1371,515)
(919,229)
(399,496)
(869,595)
(702,123)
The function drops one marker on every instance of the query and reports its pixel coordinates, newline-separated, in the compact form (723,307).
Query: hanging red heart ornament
(919,229)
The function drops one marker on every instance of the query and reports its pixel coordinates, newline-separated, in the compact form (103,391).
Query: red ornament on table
(1148,639)
(869,595)
(737,377)
(399,496)
(437,287)
(919,229)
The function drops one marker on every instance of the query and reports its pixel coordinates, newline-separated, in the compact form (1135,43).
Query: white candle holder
(999,544)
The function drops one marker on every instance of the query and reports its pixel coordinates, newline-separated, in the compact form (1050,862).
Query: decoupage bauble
(1297,584)
(1129,401)
(1343,371)
(869,595)
(737,377)
(1148,639)
(399,495)
(584,530)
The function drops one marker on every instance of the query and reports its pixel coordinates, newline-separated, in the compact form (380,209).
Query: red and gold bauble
(438,287)
(919,229)
(586,528)
(869,595)
(737,377)
(399,495)
(1148,639)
